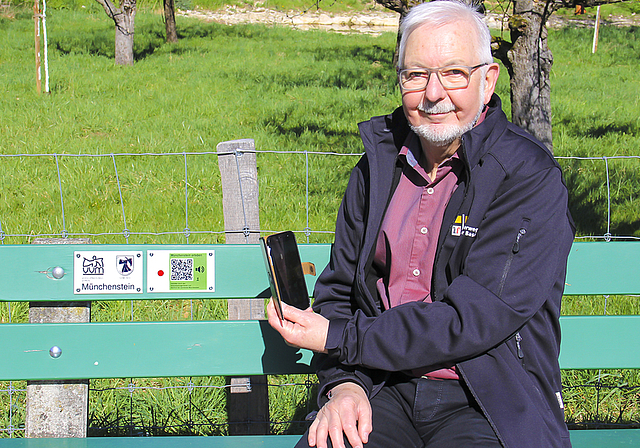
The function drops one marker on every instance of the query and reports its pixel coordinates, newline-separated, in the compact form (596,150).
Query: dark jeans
(418,412)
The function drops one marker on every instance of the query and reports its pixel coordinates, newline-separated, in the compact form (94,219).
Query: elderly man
(436,320)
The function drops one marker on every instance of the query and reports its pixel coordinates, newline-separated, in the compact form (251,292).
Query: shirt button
(430,190)
(416,272)
(424,230)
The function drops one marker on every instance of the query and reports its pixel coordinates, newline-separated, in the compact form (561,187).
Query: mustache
(435,108)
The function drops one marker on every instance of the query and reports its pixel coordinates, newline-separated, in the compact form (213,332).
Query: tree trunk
(170,20)
(529,67)
(402,7)
(124,19)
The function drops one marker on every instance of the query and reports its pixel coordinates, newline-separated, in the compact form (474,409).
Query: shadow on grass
(100,41)
(165,425)
(597,130)
(285,127)
(588,201)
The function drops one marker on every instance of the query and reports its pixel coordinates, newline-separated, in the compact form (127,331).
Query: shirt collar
(411,151)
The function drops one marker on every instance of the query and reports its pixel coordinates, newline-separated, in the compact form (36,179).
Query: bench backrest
(158,349)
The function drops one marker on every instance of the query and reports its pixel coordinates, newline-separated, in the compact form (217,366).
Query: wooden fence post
(247,398)
(36,18)
(58,408)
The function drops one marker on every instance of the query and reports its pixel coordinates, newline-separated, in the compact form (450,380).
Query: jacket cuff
(323,396)
(333,345)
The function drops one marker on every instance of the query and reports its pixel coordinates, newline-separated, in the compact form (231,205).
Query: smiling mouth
(435,117)
(435,110)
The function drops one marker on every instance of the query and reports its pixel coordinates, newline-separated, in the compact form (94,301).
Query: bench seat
(593,438)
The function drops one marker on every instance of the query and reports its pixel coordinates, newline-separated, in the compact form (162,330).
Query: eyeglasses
(451,77)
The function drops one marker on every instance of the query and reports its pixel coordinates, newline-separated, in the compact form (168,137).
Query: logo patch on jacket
(460,227)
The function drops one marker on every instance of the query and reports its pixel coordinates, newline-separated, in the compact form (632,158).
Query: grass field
(290,91)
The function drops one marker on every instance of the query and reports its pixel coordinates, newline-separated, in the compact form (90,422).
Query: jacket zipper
(519,351)
(514,250)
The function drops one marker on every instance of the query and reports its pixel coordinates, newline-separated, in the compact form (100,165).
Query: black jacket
(497,284)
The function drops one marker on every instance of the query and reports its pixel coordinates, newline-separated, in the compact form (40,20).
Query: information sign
(108,272)
(180,271)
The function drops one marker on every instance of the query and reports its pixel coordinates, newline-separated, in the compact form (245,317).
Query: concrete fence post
(58,408)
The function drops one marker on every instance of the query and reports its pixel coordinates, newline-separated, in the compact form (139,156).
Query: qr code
(182,269)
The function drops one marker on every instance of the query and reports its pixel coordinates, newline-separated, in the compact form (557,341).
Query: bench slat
(142,349)
(239,271)
(206,348)
(600,342)
(157,442)
(579,439)
(22,267)
(603,268)
(605,438)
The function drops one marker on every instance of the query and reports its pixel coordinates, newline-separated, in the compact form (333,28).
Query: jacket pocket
(515,248)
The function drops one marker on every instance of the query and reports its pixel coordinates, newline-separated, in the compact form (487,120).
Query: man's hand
(299,328)
(348,412)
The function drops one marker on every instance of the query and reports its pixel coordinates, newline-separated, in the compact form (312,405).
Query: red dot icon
(160,273)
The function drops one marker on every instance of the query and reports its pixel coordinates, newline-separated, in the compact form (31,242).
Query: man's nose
(434,91)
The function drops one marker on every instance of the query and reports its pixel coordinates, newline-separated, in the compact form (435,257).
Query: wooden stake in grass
(43,17)
(36,18)
(595,32)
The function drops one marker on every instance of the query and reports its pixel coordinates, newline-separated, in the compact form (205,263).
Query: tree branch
(110,8)
(500,49)
(585,3)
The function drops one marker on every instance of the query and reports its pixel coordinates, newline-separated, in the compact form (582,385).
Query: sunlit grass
(290,91)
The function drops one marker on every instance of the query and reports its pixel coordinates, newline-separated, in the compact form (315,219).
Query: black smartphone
(284,268)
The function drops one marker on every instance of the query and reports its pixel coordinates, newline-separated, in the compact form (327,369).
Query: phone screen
(287,268)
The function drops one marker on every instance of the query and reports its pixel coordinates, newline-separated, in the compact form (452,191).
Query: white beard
(444,134)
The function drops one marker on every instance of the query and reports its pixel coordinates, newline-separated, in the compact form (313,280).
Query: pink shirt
(408,238)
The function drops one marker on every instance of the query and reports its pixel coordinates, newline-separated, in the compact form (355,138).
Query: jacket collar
(478,141)
(384,136)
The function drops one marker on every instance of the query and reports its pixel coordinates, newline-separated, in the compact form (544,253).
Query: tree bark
(530,62)
(170,20)
(402,7)
(124,20)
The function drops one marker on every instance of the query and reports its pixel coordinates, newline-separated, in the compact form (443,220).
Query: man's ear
(491,78)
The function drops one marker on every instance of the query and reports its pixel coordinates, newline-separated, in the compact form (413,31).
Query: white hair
(444,12)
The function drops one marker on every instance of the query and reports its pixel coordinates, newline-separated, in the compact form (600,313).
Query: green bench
(208,348)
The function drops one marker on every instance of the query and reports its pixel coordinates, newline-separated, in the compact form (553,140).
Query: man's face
(437,111)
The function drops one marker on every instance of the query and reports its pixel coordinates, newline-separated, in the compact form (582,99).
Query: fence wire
(130,417)
(187,231)
(133,409)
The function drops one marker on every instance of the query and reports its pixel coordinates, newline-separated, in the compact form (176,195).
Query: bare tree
(124,19)
(528,60)
(170,20)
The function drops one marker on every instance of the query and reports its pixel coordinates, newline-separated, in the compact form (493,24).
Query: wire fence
(176,198)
